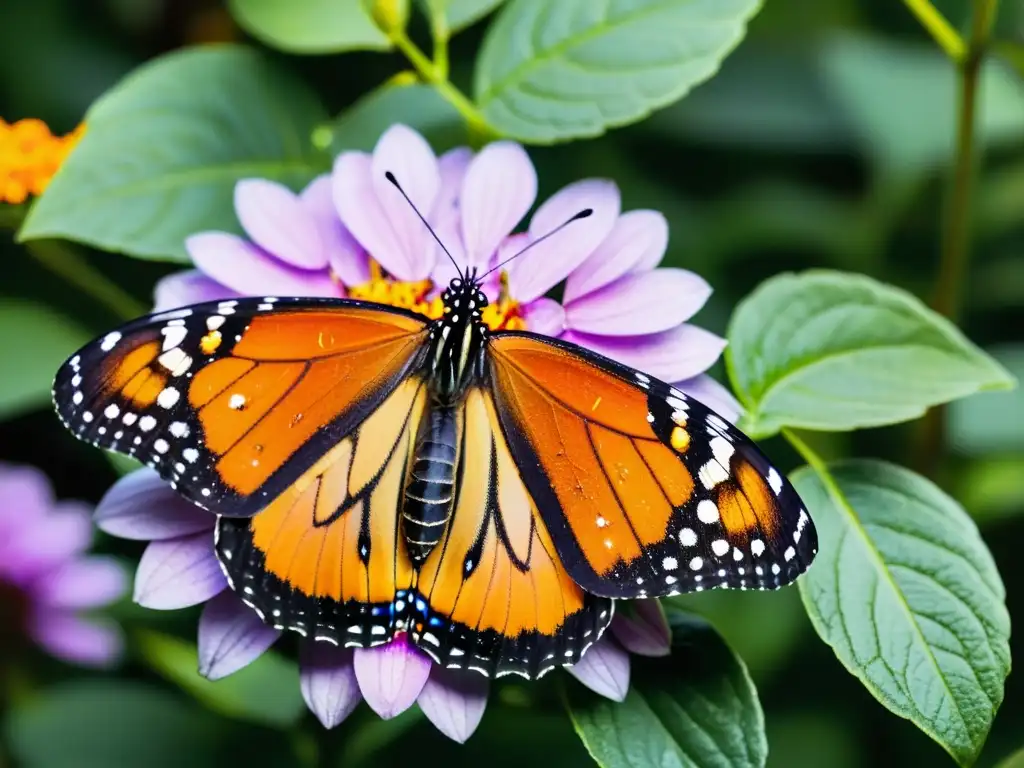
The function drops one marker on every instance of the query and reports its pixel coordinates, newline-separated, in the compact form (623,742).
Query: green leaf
(549,72)
(418,106)
(906,593)
(266,691)
(833,351)
(164,149)
(695,708)
(991,422)
(310,26)
(34,341)
(885,87)
(103,723)
(990,488)
(459,14)
(1016,760)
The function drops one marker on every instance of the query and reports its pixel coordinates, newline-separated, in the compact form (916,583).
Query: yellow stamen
(29,157)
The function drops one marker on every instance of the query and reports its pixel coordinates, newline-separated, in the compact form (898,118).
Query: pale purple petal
(346,257)
(189,287)
(642,628)
(405,154)
(604,669)
(454,700)
(328,681)
(451,166)
(88,582)
(25,497)
(47,543)
(641,303)
(446,220)
(636,244)
(276,220)
(245,268)
(713,395)
(499,188)
(90,642)
(391,676)
(231,636)
(673,355)
(144,507)
(548,263)
(179,573)
(545,316)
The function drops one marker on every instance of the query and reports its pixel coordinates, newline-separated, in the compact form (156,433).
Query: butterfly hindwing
(233,401)
(646,491)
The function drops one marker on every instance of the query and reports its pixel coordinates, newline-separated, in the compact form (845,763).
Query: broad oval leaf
(906,593)
(459,14)
(697,707)
(991,422)
(164,148)
(310,26)
(34,340)
(266,691)
(834,351)
(550,71)
(1016,760)
(104,723)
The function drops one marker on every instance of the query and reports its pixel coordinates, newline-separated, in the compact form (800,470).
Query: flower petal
(25,496)
(188,287)
(407,155)
(89,642)
(451,166)
(545,316)
(231,636)
(713,395)
(46,544)
(679,353)
(548,263)
(277,221)
(636,304)
(251,271)
(499,188)
(179,573)
(391,676)
(454,700)
(642,628)
(604,669)
(89,582)
(637,239)
(346,257)
(328,682)
(144,507)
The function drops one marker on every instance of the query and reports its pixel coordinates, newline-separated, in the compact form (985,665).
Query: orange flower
(29,156)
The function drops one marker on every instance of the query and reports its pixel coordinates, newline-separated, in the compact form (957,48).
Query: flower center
(503,314)
(29,156)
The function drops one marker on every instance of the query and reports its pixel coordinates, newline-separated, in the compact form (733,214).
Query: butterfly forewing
(232,401)
(645,491)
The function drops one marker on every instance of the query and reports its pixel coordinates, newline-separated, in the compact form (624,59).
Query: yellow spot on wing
(680,439)
(210,342)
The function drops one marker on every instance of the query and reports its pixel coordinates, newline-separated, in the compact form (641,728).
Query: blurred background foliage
(824,142)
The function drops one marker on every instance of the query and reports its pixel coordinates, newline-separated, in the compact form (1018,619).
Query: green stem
(940,29)
(438,78)
(69,265)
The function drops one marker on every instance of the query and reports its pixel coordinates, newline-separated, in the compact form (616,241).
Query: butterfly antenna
(391,177)
(581,215)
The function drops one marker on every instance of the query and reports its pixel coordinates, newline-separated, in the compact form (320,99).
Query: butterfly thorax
(457,341)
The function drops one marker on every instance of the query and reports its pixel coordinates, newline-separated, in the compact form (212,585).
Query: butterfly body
(487,493)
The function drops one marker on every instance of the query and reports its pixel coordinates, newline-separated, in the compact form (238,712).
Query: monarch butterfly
(488,493)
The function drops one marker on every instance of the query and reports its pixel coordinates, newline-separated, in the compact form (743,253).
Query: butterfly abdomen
(430,487)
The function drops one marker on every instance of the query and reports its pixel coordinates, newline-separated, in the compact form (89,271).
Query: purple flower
(47,582)
(352,233)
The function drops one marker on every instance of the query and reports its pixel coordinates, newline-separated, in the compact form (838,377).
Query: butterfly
(490,494)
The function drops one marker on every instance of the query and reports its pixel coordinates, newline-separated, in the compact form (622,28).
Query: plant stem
(437,76)
(940,29)
(69,265)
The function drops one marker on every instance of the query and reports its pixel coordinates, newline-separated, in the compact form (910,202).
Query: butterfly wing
(645,491)
(233,401)
(495,595)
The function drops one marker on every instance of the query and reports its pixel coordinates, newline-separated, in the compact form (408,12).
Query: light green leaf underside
(310,26)
(834,351)
(34,341)
(460,14)
(165,147)
(550,71)
(906,593)
(695,708)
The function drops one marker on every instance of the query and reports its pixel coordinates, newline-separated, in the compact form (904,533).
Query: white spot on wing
(168,397)
(707,512)
(110,340)
(775,481)
(687,537)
